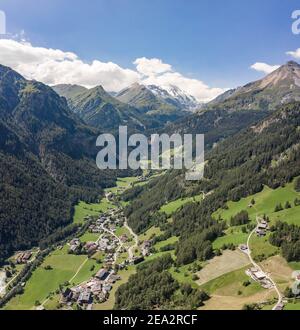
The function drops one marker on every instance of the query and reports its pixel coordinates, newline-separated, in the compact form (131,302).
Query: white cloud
(54,66)
(151,67)
(295,54)
(155,72)
(264,67)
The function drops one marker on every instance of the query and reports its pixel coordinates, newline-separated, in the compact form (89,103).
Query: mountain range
(47,141)
(47,162)
(244,106)
(139,107)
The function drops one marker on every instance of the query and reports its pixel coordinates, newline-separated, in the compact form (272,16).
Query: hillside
(47,161)
(279,87)
(242,107)
(238,167)
(99,109)
(156,103)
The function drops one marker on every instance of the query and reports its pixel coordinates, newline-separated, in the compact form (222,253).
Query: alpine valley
(75,237)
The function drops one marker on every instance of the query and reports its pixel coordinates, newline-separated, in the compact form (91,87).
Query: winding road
(280,297)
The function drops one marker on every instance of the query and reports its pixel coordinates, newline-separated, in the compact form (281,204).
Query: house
(102,297)
(74,248)
(85,297)
(263,226)
(24,257)
(75,241)
(102,274)
(66,296)
(110,196)
(243,248)
(124,238)
(106,288)
(138,260)
(279,307)
(90,247)
(261,233)
(96,287)
(114,278)
(259,275)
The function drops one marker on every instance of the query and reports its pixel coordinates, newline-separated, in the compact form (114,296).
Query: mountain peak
(292,63)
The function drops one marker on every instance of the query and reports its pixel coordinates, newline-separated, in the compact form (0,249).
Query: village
(97,289)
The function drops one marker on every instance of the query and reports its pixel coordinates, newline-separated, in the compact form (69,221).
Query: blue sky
(210,40)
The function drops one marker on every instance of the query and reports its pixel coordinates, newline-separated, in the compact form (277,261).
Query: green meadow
(83,209)
(265,203)
(173,206)
(235,237)
(171,240)
(122,183)
(231,284)
(150,233)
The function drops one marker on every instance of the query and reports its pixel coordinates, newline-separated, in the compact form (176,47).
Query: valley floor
(224,277)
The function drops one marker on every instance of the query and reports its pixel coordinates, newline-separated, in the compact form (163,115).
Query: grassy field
(171,240)
(260,246)
(183,275)
(89,237)
(42,281)
(122,231)
(64,266)
(151,232)
(228,262)
(231,284)
(122,183)
(172,207)
(292,306)
(295,265)
(235,237)
(265,203)
(83,209)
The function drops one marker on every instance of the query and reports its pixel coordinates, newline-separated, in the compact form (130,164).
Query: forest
(265,154)
(153,287)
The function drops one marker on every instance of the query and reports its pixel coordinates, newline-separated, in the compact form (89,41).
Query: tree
(287,205)
(278,208)
(239,219)
(297,185)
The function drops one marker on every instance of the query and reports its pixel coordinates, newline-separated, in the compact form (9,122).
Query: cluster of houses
(145,247)
(107,243)
(259,276)
(96,289)
(23,257)
(262,228)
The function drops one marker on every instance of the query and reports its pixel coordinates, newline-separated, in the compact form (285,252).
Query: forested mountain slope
(265,154)
(47,162)
(101,110)
(238,108)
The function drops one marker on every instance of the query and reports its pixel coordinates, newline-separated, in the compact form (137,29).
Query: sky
(202,46)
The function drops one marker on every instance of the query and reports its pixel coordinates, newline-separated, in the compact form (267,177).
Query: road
(3,288)
(279,302)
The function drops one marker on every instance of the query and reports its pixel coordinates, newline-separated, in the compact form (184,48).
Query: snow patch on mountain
(174,95)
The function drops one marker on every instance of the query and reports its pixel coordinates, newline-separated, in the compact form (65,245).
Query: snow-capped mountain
(174,95)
